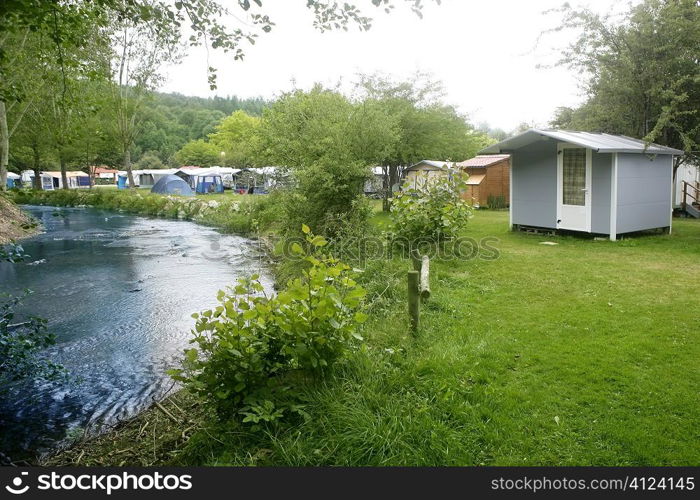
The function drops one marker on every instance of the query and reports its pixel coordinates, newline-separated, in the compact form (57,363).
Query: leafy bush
(21,345)
(246,343)
(11,253)
(326,196)
(431,212)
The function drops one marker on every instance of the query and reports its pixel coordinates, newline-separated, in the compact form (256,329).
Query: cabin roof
(602,143)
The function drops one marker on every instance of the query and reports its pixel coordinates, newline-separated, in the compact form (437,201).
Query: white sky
(484,51)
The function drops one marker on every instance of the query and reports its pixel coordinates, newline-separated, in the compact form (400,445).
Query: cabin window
(574,176)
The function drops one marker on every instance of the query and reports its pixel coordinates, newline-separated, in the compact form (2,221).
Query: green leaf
(306,229)
(319,241)
(360,317)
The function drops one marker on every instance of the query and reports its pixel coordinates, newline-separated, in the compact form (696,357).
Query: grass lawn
(583,353)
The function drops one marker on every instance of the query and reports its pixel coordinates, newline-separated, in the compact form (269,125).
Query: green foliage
(496,202)
(21,346)
(237,137)
(199,153)
(242,215)
(434,211)
(328,142)
(426,127)
(640,72)
(11,253)
(149,160)
(250,340)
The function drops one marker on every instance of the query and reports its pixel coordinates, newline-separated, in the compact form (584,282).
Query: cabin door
(573,188)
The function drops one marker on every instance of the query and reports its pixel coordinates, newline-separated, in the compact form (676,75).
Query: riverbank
(541,356)
(155,436)
(240,214)
(15,224)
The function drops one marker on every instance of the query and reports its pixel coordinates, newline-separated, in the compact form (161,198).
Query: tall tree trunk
(390,179)
(36,166)
(64,170)
(127,167)
(4,146)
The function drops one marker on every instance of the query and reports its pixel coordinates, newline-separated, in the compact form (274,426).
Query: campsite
(388,270)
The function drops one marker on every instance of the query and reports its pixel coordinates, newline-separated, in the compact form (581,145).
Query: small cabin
(424,172)
(588,182)
(488,182)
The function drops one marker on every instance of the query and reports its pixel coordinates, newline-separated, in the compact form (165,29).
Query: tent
(203,180)
(47,183)
(13,180)
(172,184)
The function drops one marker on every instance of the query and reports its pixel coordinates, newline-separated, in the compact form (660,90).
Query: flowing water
(118,291)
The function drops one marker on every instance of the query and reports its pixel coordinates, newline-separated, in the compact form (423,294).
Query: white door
(573,188)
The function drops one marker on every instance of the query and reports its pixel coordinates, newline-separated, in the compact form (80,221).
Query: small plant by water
(250,345)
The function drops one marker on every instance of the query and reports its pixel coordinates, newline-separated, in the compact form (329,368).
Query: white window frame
(589,183)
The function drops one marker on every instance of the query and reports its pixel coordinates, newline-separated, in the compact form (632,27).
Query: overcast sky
(485,52)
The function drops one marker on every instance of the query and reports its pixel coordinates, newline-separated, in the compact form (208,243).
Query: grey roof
(602,143)
(433,163)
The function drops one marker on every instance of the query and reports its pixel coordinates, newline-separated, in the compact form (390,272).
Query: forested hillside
(171,120)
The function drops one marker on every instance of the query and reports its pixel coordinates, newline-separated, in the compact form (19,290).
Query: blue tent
(172,184)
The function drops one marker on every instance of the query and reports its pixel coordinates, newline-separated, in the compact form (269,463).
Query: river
(118,291)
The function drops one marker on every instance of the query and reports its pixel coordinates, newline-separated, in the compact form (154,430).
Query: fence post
(425,278)
(415,260)
(413,301)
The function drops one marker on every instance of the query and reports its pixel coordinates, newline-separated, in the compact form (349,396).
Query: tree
(150,160)
(237,137)
(427,128)
(63,23)
(329,142)
(199,153)
(139,53)
(18,90)
(641,75)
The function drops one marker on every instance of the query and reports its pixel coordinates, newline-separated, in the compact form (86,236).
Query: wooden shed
(489,176)
(425,171)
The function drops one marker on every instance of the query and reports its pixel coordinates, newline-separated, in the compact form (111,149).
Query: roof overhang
(601,143)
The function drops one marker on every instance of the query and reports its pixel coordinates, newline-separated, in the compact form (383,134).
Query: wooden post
(415,259)
(413,301)
(685,193)
(425,279)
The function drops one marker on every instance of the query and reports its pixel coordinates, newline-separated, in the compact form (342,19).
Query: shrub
(432,212)
(327,193)
(496,202)
(246,343)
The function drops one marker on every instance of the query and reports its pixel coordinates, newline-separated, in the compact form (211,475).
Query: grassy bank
(231,213)
(579,353)
(14,224)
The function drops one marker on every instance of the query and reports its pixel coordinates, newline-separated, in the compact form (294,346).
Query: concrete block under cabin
(588,182)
